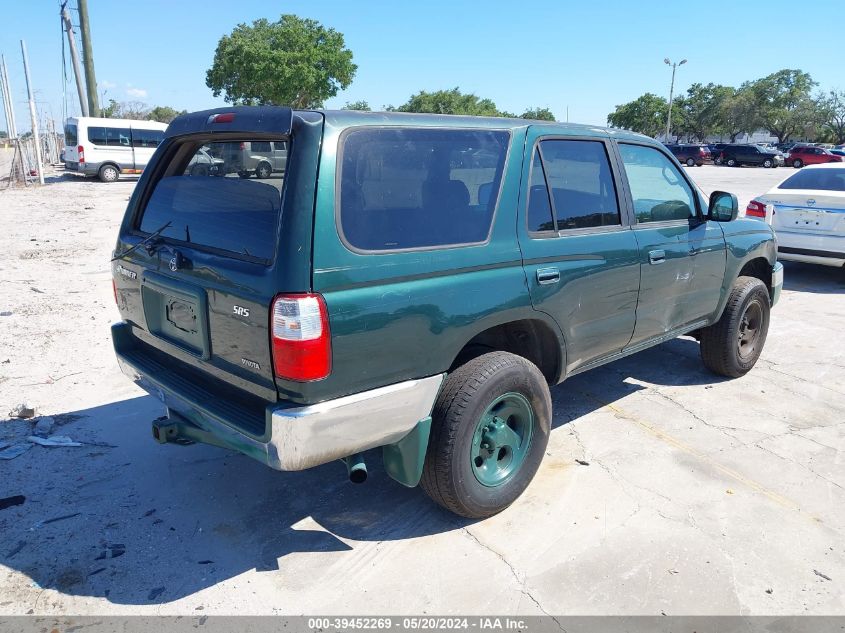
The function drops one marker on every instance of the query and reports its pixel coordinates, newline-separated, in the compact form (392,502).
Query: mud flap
(403,460)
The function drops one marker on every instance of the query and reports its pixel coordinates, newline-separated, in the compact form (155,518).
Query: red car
(799,156)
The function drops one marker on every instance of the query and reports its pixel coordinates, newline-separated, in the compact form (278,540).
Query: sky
(582,58)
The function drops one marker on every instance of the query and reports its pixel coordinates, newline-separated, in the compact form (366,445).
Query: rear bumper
(828,250)
(297,437)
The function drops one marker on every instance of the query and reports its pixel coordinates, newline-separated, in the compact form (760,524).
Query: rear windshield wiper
(152,236)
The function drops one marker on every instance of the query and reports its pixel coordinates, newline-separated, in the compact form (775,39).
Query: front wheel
(690,162)
(767,163)
(264,170)
(797,163)
(731,346)
(490,428)
(731,162)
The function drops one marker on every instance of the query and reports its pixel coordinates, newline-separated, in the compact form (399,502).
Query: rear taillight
(301,342)
(81,151)
(243,145)
(755,210)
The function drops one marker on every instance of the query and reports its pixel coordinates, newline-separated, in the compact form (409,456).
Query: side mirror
(723,207)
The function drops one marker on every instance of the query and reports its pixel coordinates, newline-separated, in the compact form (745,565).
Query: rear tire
(490,428)
(731,162)
(108,173)
(690,162)
(264,170)
(731,346)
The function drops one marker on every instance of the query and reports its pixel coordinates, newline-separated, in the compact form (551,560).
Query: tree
(783,101)
(832,107)
(293,61)
(737,114)
(701,110)
(538,114)
(361,106)
(137,110)
(646,115)
(449,102)
(164,114)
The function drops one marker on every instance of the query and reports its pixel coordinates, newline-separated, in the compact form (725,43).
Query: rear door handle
(546,276)
(656,257)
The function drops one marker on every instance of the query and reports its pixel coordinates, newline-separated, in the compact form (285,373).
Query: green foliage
(700,110)
(164,114)
(832,114)
(783,102)
(646,115)
(449,102)
(293,61)
(4,134)
(361,106)
(737,114)
(538,114)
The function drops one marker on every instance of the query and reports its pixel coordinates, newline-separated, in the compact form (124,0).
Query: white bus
(110,147)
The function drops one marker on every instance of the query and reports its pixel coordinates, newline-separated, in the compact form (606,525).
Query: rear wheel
(690,162)
(731,346)
(490,428)
(199,170)
(798,163)
(264,170)
(731,162)
(108,173)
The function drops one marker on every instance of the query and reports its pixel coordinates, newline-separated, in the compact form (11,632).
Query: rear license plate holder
(176,312)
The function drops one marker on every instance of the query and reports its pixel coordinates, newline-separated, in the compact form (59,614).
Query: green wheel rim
(501,439)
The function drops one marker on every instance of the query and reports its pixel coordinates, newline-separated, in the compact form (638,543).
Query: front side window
(202,202)
(419,188)
(659,191)
(580,181)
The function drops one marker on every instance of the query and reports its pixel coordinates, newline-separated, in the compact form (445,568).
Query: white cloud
(107,84)
(137,93)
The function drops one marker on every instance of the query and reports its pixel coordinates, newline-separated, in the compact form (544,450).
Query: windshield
(227,196)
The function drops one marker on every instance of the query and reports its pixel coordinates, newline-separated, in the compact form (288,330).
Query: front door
(579,252)
(682,256)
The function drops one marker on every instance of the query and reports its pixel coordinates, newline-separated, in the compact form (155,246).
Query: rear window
(71,134)
(110,136)
(208,204)
(822,179)
(419,188)
(147,138)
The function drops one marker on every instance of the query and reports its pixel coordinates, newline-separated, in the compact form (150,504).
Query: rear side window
(204,202)
(419,188)
(579,178)
(147,138)
(822,179)
(110,136)
(71,134)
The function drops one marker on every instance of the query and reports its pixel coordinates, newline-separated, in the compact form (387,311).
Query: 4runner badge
(129,274)
(250,363)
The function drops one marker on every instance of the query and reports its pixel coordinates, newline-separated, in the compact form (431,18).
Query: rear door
(199,295)
(110,145)
(579,253)
(682,256)
(144,144)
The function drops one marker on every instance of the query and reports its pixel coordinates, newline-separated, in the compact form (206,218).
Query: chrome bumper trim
(308,436)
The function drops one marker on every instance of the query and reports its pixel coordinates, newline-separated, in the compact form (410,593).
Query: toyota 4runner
(417,283)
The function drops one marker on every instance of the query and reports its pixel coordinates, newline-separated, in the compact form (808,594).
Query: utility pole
(88,59)
(33,117)
(74,57)
(671,93)
(13,128)
(4,93)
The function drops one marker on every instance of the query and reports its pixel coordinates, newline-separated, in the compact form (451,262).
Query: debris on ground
(43,426)
(15,550)
(112,551)
(770,591)
(15,450)
(155,593)
(582,462)
(53,441)
(24,411)
(821,575)
(8,502)
(56,519)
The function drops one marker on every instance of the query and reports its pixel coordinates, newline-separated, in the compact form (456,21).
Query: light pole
(671,93)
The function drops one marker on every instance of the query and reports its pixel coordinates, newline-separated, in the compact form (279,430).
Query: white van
(110,147)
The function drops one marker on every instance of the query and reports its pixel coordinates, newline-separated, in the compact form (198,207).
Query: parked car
(838,152)
(204,164)
(716,151)
(799,156)
(691,154)
(807,211)
(736,155)
(417,283)
(253,158)
(107,148)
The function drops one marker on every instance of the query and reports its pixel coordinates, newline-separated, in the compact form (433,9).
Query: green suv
(417,283)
